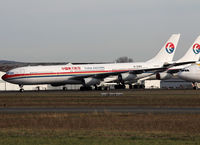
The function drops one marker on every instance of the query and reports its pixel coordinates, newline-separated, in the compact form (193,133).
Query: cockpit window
(10,73)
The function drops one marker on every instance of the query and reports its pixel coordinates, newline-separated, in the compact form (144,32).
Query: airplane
(192,55)
(191,73)
(91,74)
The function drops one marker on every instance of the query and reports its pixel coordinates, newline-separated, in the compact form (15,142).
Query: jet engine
(91,81)
(127,77)
(161,76)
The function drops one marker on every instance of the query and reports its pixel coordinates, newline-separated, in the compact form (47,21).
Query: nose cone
(187,76)
(4,77)
(181,75)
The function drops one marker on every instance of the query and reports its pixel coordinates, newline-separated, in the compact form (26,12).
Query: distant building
(65,87)
(176,83)
(167,84)
(152,84)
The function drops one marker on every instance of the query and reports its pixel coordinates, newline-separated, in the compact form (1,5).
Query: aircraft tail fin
(167,52)
(193,54)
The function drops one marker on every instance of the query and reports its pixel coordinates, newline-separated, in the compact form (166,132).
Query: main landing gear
(89,88)
(101,88)
(130,86)
(97,88)
(120,86)
(85,88)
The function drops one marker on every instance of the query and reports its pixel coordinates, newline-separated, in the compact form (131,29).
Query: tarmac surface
(120,109)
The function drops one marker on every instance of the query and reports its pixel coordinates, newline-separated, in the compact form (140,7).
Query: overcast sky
(94,30)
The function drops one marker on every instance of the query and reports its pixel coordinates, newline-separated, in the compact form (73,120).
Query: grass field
(100,128)
(90,140)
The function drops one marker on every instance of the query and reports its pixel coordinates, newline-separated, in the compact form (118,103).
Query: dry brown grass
(156,98)
(146,123)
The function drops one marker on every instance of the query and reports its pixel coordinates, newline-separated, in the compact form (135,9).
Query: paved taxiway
(101,110)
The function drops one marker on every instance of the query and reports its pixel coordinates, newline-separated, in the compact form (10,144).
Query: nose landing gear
(21,88)
(194,86)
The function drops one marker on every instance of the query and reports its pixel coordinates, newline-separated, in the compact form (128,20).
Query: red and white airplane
(91,74)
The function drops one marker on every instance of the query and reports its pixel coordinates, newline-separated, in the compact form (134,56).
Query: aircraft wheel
(95,87)
(21,90)
(142,86)
(120,86)
(99,88)
(83,88)
(194,87)
(105,88)
(64,88)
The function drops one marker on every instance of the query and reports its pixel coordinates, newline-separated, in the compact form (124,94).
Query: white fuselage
(70,74)
(191,73)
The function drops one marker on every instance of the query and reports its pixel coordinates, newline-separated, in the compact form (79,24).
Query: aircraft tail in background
(167,52)
(193,54)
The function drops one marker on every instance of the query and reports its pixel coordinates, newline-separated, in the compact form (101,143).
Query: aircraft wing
(166,67)
(167,70)
(152,70)
(136,71)
(100,75)
(178,64)
(176,70)
(161,69)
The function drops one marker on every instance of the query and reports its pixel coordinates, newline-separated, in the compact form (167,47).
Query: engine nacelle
(163,76)
(160,76)
(91,81)
(127,77)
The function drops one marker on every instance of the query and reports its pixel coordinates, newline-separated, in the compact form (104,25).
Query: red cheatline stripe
(63,73)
